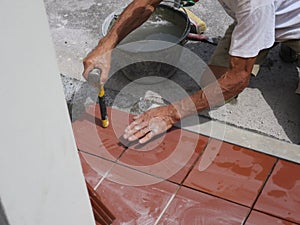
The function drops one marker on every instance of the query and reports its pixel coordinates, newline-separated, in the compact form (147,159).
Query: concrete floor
(268,106)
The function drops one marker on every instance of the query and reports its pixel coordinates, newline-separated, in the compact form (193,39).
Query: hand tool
(94,80)
(203,38)
(102,105)
(187,3)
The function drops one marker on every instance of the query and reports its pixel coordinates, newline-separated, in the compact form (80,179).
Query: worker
(258,26)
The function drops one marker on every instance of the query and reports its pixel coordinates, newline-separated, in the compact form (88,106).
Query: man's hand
(99,58)
(151,123)
(136,13)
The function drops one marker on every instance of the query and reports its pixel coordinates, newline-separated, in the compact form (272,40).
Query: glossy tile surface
(133,179)
(182,173)
(134,197)
(281,196)
(92,138)
(230,172)
(195,208)
(131,196)
(257,218)
(168,156)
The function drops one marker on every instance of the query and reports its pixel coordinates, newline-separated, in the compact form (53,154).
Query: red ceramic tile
(281,195)
(181,174)
(168,156)
(257,218)
(230,172)
(196,208)
(94,168)
(134,197)
(92,138)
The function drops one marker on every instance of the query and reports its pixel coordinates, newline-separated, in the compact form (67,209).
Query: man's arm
(135,14)
(158,120)
(234,81)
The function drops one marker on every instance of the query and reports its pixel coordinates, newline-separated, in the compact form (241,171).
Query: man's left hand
(151,123)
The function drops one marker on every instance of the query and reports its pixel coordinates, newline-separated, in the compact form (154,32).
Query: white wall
(41,182)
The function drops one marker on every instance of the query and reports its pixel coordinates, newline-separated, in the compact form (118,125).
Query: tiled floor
(184,178)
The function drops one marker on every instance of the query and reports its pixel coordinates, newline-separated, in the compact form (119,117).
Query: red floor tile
(94,168)
(181,174)
(92,138)
(169,156)
(132,198)
(257,218)
(192,207)
(234,173)
(281,195)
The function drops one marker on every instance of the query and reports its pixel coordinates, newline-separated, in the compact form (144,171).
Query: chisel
(102,105)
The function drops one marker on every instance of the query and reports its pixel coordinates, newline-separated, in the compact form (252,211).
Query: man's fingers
(137,117)
(104,75)
(139,134)
(88,67)
(147,137)
(134,128)
(137,125)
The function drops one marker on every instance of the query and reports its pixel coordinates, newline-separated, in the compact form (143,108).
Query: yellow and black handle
(102,105)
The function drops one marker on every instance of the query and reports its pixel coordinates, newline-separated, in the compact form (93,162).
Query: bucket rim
(116,13)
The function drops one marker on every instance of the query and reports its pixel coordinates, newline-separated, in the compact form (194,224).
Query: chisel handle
(102,105)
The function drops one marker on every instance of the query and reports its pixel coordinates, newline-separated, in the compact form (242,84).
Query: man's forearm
(234,81)
(135,14)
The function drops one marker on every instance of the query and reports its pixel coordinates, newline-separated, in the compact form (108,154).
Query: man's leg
(287,54)
(293,45)
(219,61)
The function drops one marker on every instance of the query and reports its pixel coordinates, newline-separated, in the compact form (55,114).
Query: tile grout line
(167,206)
(109,170)
(117,162)
(194,164)
(269,214)
(216,196)
(97,156)
(260,191)
(179,186)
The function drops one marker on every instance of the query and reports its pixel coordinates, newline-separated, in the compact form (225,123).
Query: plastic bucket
(155,39)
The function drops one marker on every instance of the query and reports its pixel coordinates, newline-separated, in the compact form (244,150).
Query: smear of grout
(104,176)
(167,206)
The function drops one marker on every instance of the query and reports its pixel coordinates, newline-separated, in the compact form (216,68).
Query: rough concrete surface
(268,106)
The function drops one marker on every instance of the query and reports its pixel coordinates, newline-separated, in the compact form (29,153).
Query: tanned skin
(230,81)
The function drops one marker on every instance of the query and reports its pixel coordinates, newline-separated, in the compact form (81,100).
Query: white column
(41,181)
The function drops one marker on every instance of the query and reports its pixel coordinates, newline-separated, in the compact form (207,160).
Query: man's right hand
(99,58)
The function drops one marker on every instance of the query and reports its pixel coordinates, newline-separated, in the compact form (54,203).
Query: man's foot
(287,54)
